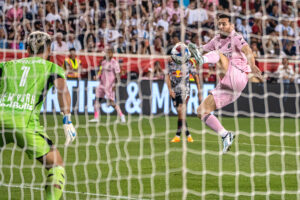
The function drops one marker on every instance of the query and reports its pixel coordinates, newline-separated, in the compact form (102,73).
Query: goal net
(136,160)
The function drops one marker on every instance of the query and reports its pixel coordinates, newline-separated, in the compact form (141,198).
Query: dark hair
(222,16)
(72,49)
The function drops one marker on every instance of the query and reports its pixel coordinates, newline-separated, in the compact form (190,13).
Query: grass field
(137,161)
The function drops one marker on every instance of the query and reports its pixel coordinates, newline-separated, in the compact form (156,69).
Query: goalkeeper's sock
(212,122)
(55,183)
(187,132)
(179,126)
(211,57)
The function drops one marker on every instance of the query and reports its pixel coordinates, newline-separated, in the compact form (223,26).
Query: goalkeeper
(178,81)
(23,86)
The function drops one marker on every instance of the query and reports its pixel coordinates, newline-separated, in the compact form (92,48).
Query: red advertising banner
(133,63)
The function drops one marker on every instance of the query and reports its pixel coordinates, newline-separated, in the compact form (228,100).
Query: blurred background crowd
(150,27)
(271,27)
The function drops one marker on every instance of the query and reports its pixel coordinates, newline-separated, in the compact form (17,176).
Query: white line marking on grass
(70,192)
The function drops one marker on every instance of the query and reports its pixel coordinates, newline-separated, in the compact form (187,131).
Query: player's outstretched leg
(56,174)
(203,111)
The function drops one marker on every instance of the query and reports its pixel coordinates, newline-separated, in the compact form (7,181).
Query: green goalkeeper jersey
(23,86)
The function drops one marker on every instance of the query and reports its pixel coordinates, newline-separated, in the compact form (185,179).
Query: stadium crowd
(149,27)
(271,27)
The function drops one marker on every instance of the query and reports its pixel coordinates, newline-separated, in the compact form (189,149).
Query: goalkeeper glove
(69,129)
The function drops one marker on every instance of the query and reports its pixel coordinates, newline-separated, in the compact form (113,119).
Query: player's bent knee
(51,159)
(199,112)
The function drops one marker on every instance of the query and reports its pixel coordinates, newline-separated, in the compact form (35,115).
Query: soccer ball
(180,53)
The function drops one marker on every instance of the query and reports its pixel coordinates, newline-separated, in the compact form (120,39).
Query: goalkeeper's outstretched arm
(64,100)
(63,95)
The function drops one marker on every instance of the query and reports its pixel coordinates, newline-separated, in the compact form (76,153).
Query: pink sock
(96,114)
(212,122)
(211,57)
(119,111)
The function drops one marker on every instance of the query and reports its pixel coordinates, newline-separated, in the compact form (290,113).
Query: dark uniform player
(178,81)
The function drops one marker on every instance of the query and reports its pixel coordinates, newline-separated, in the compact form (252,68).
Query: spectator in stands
(290,49)
(271,45)
(59,45)
(100,44)
(155,72)
(245,29)
(237,7)
(14,14)
(121,46)
(17,42)
(257,28)
(3,39)
(158,46)
(73,42)
(175,13)
(286,75)
(72,65)
(195,15)
(133,46)
(90,42)
(255,50)
(163,22)
(173,41)
(285,72)
(284,26)
(52,16)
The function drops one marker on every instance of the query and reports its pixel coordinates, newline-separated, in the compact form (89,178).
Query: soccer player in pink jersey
(234,59)
(109,76)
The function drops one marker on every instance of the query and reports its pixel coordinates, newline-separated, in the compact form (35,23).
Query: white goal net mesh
(135,159)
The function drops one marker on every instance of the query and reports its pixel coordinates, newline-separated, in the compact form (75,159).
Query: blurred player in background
(109,76)
(24,83)
(178,81)
(234,60)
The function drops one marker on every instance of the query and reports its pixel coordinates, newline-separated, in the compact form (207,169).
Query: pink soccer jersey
(108,73)
(231,47)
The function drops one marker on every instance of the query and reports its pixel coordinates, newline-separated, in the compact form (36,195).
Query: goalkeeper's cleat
(196,53)
(123,119)
(227,141)
(175,139)
(94,120)
(190,139)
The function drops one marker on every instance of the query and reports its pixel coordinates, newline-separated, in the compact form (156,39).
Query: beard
(224,35)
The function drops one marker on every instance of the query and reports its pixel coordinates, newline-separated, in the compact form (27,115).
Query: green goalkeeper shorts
(35,143)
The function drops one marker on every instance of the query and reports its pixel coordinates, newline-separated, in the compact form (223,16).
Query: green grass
(137,161)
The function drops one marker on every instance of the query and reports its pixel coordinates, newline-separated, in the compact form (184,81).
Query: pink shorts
(107,93)
(230,87)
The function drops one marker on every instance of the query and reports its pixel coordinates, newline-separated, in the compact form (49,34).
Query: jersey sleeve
(239,42)
(210,46)
(57,71)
